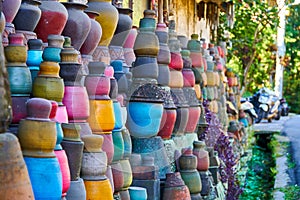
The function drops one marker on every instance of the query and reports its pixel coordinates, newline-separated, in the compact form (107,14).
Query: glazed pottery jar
(123,27)
(94,36)
(118,176)
(128,47)
(145,66)
(108,146)
(137,193)
(187,161)
(127,143)
(45,177)
(106,11)
(20,80)
(68,54)
(34,56)
(71,73)
(101,190)
(202,155)
(28,15)
(192,180)
(118,145)
(176,79)
(19,111)
(76,190)
(16,53)
(10,9)
(175,187)
(38,109)
(98,86)
(127,173)
(76,101)
(78,24)
(15,183)
(53,19)
(176,61)
(143,48)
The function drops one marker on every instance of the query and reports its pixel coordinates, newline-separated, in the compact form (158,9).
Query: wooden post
(160,11)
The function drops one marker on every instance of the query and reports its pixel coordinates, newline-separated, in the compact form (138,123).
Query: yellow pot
(98,190)
(50,88)
(49,69)
(37,138)
(15,54)
(101,117)
(198,91)
(204,78)
(176,79)
(211,79)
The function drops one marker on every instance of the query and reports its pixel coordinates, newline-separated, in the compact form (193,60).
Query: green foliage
(291,192)
(252,37)
(291,86)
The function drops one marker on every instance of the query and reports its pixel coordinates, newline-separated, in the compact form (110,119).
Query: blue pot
(118,115)
(51,54)
(143,120)
(20,80)
(45,177)
(34,58)
(137,193)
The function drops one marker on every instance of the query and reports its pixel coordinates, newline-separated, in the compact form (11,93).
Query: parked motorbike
(266,105)
(248,108)
(284,107)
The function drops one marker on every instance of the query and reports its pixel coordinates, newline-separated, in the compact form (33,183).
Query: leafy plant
(291,192)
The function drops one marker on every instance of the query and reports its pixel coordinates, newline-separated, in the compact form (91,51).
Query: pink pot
(98,86)
(188,78)
(65,171)
(129,42)
(196,59)
(77,103)
(61,114)
(194,114)
(176,61)
(108,147)
(10,9)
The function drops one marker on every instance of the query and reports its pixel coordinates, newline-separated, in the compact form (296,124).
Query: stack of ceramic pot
(73,146)
(121,79)
(188,170)
(75,96)
(53,19)
(106,11)
(202,166)
(214,165)
(176,82)
(101,118)
(27,18)
(34,56)
(19,76)
(91,42)
(145,175)
(37,136)
(93,169)
(189,92)
(175,187)
(10,10)
(163,59)
(48,84)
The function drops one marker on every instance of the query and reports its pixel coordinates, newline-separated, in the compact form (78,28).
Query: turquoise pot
(20,81)
(45,177)
(51,54)
(143,120)
(59,136)
(118,115)
(34,58)
(137,193)
(118,145)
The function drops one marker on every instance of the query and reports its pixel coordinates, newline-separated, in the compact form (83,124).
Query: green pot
(192,180)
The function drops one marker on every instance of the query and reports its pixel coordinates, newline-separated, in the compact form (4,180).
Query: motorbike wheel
(278,115)
(260,115)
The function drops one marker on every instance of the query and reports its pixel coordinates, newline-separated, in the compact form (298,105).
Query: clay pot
(188,78)
(71,73)
(175,187)
(68,54)
(146,44)
(106,11)
(76,101)
(15,182)
(49,69)
(34,56)
(94,166)
(55,40)
(176,61)
(182,114)
(98,86)
(98,190)
(148,24)
(118,145)
(118,176)
(19,108)
(162,33)
(76,190)
(167,123)
(192,180)
(127,143)
(187,161)
(129,42)
(16,55)
(65,171)
(78,24)
(28,15)
(176,79)
(127,172)
(202,155)
(194,114)
(145,67)
(163,75)
(137,193)
(123,27)
(108,147)
(144,118)
(38,109)
(45,177)
(94,35)
(101,117)
(164,55)
(53,19)
(50,88)
(10,9)
(20,80)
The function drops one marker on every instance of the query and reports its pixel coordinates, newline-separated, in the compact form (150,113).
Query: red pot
(53,19)
(94,36)
(65,171)
(176,61)
(77,103)
(230,81)
(196,59)
(167,123)
(194,114)
(188,78)
(98,86)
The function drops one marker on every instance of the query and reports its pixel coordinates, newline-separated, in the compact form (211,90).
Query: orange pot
(98,190)
(176,79)
(101,117)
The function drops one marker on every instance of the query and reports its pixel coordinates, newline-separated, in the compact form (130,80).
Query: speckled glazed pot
(53,19)
(175,188)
